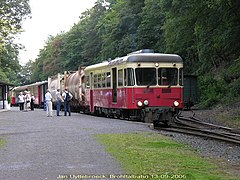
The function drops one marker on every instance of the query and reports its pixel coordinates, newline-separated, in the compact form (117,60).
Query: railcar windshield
(146,76)
(168,76)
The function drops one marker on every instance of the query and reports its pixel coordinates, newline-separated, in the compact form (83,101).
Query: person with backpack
(67,97)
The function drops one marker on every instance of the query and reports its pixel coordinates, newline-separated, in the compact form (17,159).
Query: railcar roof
(21,88)
(154,57)
(141,57)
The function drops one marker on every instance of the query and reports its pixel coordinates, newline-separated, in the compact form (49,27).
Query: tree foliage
(205,33)
(12,13)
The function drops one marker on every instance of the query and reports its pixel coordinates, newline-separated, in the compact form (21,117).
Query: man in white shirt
(48,99)
(21,101)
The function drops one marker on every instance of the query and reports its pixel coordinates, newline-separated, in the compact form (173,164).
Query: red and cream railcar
(144,86)
(38,89)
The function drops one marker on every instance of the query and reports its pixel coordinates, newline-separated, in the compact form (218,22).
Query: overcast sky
(49,17)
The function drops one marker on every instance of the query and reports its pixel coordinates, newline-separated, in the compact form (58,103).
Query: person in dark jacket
(32,102)
(67,97)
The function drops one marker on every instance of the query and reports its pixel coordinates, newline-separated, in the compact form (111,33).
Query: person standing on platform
(58,101)
(25,109)
(21,101)
(48,99)
(28,100)
(32,102)
(67,96)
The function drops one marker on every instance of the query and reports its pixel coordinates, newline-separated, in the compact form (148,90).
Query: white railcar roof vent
(142,51)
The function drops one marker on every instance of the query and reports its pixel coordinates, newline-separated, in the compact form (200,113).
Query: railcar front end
(142,86)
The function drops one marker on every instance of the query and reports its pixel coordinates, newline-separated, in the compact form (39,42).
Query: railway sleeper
(163,117)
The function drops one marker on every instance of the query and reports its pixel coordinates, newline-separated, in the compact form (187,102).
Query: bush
(212,91)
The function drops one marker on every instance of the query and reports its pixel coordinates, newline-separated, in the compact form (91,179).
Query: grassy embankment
(230,117)
(2,143)
(157,157)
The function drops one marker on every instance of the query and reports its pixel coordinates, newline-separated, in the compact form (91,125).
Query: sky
(49,17)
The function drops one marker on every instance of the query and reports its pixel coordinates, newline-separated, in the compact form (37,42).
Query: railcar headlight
(146,103)
(176,103)
(140,104)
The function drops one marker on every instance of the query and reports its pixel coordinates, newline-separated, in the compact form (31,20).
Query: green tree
(12,12)
(205,33)
(119,26)
(9,64)
(49,60)
(150,34)
(25,73)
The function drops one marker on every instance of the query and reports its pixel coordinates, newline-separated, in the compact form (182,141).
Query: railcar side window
(99,81)
(120,77)
(108,79)
(129,77)
(95,80)
(146,76)
(87,82)
(181,76)
(104,80)
(167,76)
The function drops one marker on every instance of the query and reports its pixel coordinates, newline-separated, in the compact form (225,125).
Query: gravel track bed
(227,153)
(208,147)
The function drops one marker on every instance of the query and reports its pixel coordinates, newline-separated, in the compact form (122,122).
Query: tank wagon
(73,81)
(142,85)
(54,83)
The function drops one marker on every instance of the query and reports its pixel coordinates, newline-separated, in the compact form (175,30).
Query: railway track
(194,126)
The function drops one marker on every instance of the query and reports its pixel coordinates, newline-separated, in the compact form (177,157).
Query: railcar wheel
(121,115)
(142,115)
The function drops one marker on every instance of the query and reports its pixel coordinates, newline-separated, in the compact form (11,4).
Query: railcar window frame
(120,77)
(99,80)
(144,78)
(181,77)
(108,79)
(129,77)
(168,78)
(103,80)
(95,82)
(87,80)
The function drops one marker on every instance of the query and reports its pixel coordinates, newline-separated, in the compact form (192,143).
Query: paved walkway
(44,148)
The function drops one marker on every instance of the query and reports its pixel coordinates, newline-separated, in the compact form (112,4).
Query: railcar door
(91,93)
(114,83)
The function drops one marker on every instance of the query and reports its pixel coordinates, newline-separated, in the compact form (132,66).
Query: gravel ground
(40,147)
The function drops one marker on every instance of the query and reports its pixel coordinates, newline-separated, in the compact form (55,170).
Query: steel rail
(193,119)
(199,134)
(207,131)
(194,126)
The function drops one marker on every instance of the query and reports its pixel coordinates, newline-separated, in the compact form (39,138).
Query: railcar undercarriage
(159,116)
